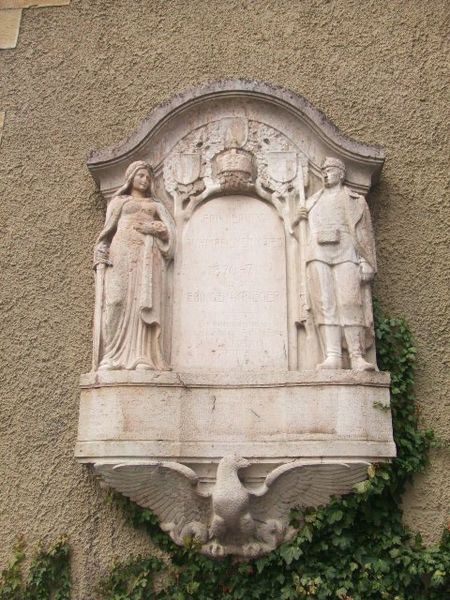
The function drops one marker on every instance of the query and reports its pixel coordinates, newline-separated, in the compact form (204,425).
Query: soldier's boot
(355,336)
(331,336)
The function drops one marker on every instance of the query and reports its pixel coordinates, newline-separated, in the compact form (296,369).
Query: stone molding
(317,413)
(364,161)
(2,122)
(32,3)
(11,16)
(9,28)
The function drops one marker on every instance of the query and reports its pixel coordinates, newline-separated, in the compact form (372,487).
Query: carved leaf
(169,489)
(297,484)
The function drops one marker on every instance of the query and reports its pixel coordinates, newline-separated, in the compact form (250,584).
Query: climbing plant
(48,576)
(356,548)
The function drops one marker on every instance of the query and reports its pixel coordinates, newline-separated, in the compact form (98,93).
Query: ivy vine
(48,576)
(356,548)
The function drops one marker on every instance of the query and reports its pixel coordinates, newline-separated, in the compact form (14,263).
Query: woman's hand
(155,228)
(101,254)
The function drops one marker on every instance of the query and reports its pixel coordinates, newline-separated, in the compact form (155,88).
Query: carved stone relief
(129,262)
(231,518)
(233,317)
(231,156)
(230,278)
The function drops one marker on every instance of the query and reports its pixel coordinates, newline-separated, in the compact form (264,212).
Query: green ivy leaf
(356,548)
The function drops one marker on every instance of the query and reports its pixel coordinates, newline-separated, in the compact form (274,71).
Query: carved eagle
(231,518)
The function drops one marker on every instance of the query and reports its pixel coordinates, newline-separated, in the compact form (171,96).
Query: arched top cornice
(169,121)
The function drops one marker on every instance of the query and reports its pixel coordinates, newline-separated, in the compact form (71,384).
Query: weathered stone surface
(131,258)
(263,145)
(9,28)
(257,103)
(2,122)
(338,249)
(32,3)
(231,518)
(209,329)
(264,416)
(231,305)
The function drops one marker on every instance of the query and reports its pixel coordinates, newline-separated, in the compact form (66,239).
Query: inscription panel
(231,308)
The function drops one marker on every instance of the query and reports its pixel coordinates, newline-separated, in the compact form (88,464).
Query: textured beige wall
(84,76)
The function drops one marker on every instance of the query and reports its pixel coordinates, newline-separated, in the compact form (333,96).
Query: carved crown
(234,169)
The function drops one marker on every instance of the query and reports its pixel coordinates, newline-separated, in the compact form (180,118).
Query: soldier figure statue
(340,263)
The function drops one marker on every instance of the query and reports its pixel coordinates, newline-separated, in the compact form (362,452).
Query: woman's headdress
(131,171)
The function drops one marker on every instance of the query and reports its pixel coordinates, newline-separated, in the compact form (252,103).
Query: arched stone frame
(172,120)
(282,129)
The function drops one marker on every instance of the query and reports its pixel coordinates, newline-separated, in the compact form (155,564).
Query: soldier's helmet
(331,161)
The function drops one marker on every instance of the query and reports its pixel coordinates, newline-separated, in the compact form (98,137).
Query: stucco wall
(83,76)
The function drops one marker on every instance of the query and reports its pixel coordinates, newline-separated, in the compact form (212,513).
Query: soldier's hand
(367,273)
(301,213)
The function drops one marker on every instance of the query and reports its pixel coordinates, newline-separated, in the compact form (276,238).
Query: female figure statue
(130,258)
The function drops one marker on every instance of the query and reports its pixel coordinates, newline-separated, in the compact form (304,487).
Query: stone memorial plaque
(231,310)
(234,371)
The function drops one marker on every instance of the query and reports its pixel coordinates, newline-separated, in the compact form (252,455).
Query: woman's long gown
(133,287)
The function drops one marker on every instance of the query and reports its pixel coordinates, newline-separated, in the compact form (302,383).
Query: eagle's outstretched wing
(169,489)
(299,484)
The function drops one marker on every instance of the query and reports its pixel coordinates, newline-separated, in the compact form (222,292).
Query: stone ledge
(11,15)
(198,452)
(9,28)
(32,3)
(260,415)
(2,122)
(230,379)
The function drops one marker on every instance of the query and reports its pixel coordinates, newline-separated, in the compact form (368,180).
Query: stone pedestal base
(175,442)
(265,417)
